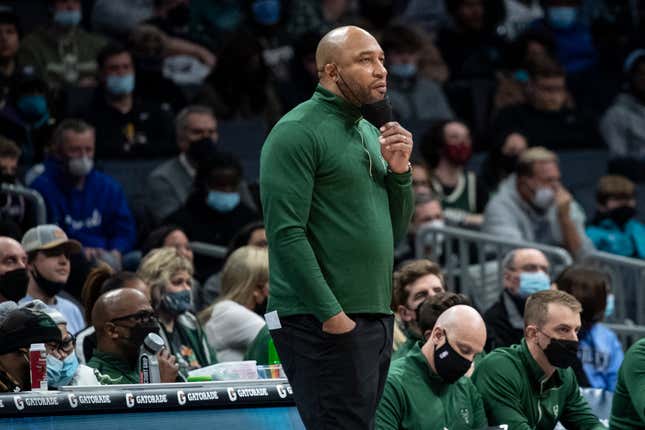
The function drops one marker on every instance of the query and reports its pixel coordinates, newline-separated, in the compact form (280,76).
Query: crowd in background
(84,82)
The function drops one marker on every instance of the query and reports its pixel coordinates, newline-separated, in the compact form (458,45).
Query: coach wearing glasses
(122,319)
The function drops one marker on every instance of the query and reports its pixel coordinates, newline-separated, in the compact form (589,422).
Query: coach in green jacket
(426,389)
(531,386)
(628,407)
(336,194)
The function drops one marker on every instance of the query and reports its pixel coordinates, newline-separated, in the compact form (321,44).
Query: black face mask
(6,178)
(561,353)
(378,113)
(201,149)
(620,215)
(139,332)
(50,288)
(13,284)
(449,363)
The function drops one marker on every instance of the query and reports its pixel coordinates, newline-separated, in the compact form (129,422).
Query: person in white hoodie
(63,367)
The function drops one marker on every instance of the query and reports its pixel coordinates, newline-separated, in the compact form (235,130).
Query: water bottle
(148,361)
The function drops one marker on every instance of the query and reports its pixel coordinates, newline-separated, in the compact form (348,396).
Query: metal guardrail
(32,195)
(472,261)
(208,249)
(627,279)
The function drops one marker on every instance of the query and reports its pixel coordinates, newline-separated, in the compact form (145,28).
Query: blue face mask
(178,302)
(532,282)
(521,75)
(562,17)
(67,18)
(266,12)
(60,373)
(405,71)
(221,201)
(33,106)
(120,85)
(609,308)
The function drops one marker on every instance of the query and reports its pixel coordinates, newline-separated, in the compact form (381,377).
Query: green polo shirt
(113,368)
(628,407)
(416,398)
(517,393)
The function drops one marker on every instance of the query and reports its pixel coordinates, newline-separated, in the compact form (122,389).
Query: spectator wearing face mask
(615,229)
(532,385)
(426,389)
(427,211)
(573,41)
(547,118)
(89,205)
(601,353)
(526,271)
(236,318)
(169,275)
(413,283)
(18,330)
(13,208)
(28,119)
(533,205)
(62,53)
(13,272)
(126,126)
(63,367)
(123,318)
(447,147)
(169,185)
(417,102)
(48,250)
(214,211)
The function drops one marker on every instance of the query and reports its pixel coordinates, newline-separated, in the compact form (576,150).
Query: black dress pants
(337,380)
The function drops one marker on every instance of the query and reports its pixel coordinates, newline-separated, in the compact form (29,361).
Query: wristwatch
(403,173)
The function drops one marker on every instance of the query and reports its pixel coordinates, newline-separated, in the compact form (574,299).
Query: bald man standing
(426,389)
(336,193)
(13,272)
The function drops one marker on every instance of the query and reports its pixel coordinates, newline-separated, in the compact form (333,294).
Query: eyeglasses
(66,345)
(139,317)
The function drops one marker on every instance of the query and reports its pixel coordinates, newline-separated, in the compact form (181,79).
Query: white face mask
(543,198)
(80,166)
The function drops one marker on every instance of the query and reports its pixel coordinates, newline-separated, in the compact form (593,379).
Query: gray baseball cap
(48,236)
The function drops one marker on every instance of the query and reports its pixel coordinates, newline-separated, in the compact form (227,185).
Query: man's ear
(331,70)
(110,330)
(530,332)
(405,314)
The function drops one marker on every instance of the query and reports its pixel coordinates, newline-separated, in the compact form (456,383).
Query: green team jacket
(516,393)
(628,407)
(332,211)
(114,369)
(416,398)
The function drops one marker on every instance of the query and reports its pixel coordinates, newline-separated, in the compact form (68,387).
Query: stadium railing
(32,196)
(472,263)
(626,278)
